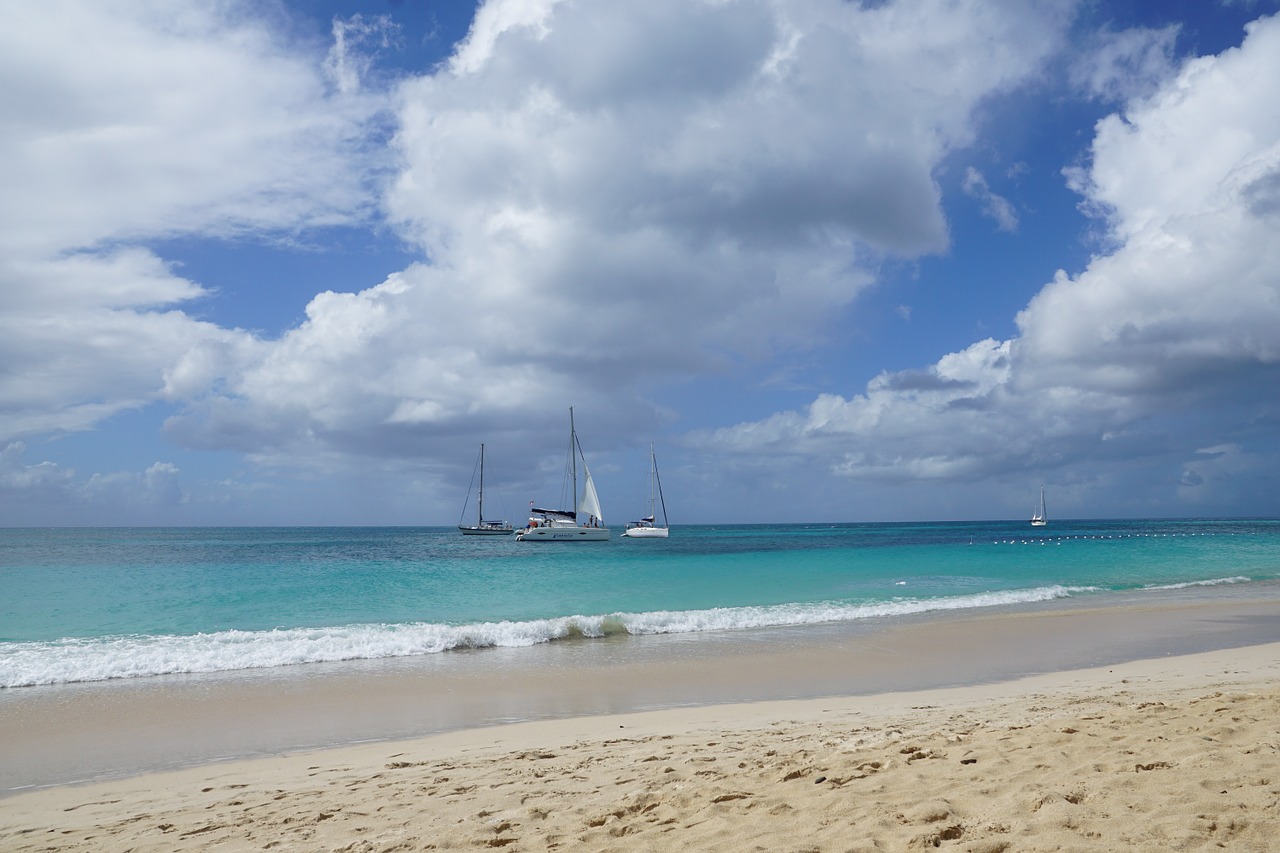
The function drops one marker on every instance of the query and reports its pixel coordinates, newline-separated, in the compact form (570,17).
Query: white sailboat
(583,523)
(1038,518)
(645,528)
(483,526)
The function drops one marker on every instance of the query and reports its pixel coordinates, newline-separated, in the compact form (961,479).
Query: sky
(291,262)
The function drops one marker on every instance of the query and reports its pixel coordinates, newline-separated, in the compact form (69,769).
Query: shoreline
(1176,752)
(84,733)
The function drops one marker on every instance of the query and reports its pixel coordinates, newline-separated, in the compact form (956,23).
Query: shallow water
(98,604)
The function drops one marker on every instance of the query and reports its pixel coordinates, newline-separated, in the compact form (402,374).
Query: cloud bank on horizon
(637,210)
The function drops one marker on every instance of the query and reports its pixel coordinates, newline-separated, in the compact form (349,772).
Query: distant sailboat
(583,523)
(645,528)
(482,527)
(1038,518)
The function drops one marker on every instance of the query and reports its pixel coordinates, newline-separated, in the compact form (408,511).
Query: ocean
(104,604)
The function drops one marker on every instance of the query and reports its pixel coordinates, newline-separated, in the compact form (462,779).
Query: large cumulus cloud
(609,199)
(1163,352)
(611,195)
(125,123)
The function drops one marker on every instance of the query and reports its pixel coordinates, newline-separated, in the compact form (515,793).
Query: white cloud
(994,206)
(746,166)
(1118,66)
(1162,346)
(123,122)
(1191,291)
(904,413)
(616,193)
(138,119)
(86,335)
(48,493)
(356,43)
(493,19)
(18,477)
(157,486)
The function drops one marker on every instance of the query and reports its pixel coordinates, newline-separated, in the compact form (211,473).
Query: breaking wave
(133,656)
(1209,582)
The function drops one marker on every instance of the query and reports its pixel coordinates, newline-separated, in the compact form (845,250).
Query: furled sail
(559,513)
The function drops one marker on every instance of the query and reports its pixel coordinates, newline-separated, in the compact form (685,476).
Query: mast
(654,458)
(653,468)
(573,462)
(480,507)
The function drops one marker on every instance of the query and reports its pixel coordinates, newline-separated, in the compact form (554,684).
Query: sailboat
(1038,518)
(482,527)
(583,523)
(645,527)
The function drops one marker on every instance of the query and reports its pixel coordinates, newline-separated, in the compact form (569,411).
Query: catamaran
(1038,518)
(483,526)
(645,528)
(583,523)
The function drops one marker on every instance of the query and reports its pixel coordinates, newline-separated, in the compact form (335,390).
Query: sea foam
(78,660)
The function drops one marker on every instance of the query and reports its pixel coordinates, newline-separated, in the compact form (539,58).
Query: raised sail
(1038,518)
(590,503)
(583,523)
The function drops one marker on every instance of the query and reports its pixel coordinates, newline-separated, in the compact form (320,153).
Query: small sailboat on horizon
(646,528)
(1038,517)
(483,526)
(564,525)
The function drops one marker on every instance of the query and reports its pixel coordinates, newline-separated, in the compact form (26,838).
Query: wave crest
(133,656)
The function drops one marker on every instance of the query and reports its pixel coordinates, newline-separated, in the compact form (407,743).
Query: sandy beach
(1178,752)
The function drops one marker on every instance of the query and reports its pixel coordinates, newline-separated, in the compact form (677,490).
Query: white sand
(1179,753)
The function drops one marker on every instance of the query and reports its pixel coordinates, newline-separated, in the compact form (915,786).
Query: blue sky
(290,263)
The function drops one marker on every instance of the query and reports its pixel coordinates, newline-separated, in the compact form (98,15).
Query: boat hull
(563,534)
(485,531)
(645,533)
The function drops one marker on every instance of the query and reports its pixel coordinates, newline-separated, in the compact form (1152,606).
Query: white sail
(581,523)
(590,503)
(1038,518)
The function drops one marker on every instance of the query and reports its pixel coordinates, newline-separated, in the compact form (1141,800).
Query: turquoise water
(93,604)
